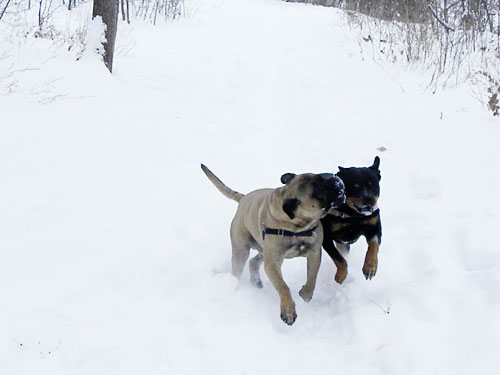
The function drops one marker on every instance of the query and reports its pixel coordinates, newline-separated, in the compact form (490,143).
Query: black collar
(287,233)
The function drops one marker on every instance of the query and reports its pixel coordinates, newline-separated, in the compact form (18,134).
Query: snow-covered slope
(115,247)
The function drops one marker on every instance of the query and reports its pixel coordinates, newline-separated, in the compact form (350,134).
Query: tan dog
(282,223)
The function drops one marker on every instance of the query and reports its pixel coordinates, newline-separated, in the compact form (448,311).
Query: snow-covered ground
(115,247)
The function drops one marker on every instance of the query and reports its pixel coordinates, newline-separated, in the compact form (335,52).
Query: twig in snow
(386,310)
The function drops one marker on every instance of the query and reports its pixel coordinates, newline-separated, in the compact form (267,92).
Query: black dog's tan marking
(359,216)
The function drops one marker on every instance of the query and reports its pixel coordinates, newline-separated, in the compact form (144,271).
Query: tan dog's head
(310,196)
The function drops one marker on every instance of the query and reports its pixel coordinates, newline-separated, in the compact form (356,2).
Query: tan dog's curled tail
(231,194)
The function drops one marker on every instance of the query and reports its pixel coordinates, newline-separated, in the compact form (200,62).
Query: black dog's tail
(231,194)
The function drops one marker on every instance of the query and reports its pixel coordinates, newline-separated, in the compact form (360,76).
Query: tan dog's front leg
(371,259)
(272,266)
(313,262)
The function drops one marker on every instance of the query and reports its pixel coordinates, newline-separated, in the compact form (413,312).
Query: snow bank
(115,246)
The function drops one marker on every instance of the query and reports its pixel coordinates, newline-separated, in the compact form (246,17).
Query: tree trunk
(108,10)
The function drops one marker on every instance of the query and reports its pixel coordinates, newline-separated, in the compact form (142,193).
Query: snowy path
(115,247)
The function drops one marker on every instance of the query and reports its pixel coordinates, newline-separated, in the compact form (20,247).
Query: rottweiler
(358,216)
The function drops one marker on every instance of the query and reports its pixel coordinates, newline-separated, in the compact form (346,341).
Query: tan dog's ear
(289,206)
(287,177)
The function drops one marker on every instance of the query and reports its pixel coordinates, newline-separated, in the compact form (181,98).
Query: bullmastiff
(282,223)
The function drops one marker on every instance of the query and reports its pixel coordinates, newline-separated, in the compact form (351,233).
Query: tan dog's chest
(298,248)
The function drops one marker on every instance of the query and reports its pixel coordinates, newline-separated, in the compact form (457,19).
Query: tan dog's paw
(256,282)
(306,293)
(288,313)
(370,266)
(341,275)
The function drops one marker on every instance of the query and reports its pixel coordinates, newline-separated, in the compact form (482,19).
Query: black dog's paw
(369,274)
(370,268)
(341,275)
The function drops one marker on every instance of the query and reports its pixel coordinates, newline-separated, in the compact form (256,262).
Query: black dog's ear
(342,170)
(287,177)
(376,163)
(289,206)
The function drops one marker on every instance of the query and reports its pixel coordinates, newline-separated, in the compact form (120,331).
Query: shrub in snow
(457,41)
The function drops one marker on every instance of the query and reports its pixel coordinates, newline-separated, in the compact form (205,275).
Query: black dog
(358,216)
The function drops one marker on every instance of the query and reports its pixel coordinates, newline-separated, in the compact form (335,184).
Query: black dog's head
(362,187)
(311,195)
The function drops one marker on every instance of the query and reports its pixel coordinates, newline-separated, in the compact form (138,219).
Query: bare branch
(448,28)
(4,9)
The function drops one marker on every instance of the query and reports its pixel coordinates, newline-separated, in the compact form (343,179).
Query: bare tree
(108,10)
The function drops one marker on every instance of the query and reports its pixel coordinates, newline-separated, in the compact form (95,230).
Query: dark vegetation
(456,39)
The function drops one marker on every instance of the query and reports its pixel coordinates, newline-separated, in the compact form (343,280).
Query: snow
(95,37)
(115,247)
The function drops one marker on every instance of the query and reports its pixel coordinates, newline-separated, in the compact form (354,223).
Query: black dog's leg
(373,238)
(337,258)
